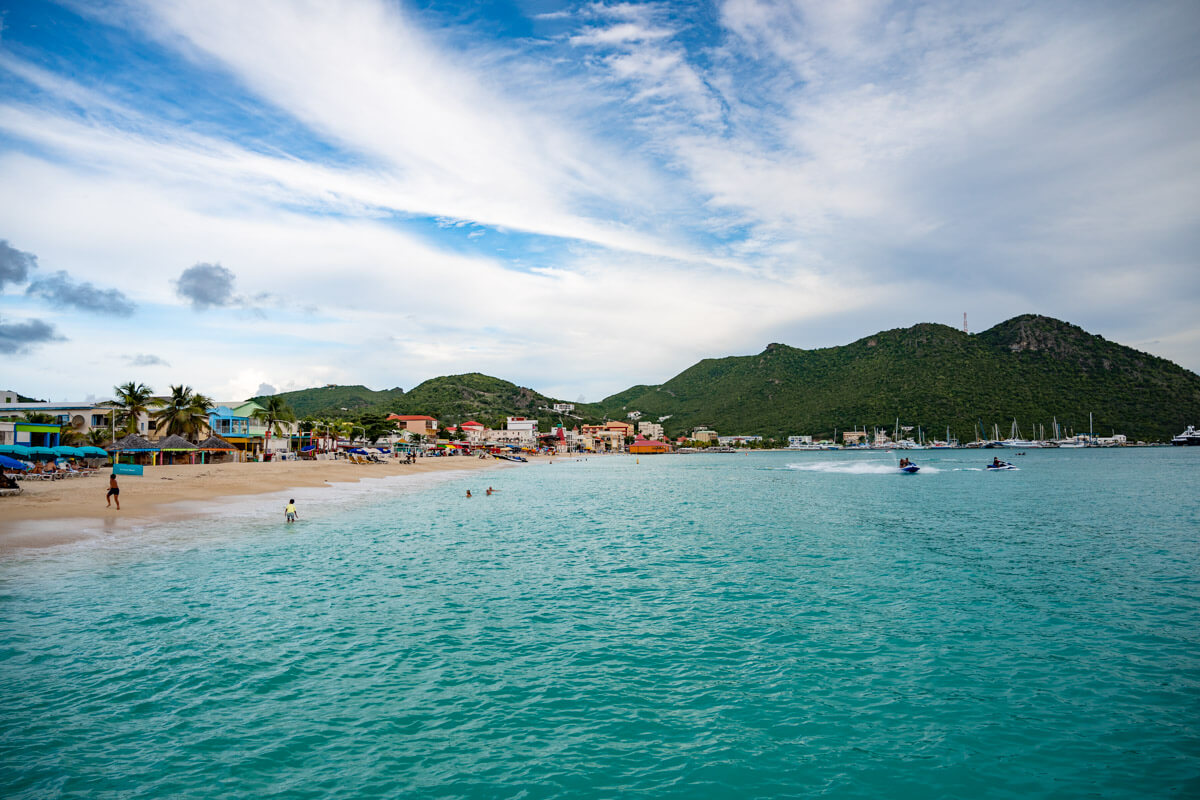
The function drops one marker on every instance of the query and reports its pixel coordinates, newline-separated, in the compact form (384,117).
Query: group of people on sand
(490,492)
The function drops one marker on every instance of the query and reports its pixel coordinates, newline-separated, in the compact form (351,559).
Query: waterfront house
(416,424)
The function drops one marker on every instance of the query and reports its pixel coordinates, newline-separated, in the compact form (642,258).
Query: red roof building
(649,446)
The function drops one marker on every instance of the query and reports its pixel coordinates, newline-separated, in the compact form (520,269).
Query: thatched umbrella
(131,444)
(176,444)
(215,444)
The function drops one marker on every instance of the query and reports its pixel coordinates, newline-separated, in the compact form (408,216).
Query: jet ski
(1003,465)
(910,469)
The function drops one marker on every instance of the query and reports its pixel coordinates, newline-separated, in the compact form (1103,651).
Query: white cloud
(804,166)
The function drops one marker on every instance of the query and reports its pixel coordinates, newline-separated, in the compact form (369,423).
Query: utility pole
(965,322)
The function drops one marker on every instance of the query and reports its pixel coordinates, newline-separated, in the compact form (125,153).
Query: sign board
(127,469)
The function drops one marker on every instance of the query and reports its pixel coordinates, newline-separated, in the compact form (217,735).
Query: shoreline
(51,513)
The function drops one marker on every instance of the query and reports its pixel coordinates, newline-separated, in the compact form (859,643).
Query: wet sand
(31,518)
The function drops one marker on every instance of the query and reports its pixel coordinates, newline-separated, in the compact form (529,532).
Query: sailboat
(1014,439)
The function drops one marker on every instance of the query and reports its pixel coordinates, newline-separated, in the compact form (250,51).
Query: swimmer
(468,493)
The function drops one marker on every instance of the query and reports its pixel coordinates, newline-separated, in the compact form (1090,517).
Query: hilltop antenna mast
(965,322)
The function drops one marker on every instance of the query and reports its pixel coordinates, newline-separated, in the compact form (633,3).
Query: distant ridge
(1033,368)
(451,398)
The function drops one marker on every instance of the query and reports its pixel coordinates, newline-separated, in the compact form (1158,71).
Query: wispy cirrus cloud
(818,168)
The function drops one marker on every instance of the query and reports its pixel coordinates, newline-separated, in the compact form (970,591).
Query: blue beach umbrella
(93,451)
(14,449)
(67,450)
(12,463)
(42,451)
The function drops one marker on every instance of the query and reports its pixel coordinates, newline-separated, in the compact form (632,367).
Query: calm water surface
(769,625)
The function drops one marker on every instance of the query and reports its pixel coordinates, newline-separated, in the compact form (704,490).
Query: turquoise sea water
(765,625)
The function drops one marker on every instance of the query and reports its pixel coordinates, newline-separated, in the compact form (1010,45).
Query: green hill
(341,401)
(1030,368)
(451,399)
(458,398)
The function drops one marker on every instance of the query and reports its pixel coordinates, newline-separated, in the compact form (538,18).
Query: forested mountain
(451,399)
(340,401)
(1030,368)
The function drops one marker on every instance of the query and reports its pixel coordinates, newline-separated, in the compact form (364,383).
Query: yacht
(1189,437)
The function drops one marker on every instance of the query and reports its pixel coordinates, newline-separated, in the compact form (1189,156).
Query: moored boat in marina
(1190,437)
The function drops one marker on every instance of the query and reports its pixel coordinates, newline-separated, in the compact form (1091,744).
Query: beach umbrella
(14,449)
(42,451)
(67,450)
(91,450)
(12,463)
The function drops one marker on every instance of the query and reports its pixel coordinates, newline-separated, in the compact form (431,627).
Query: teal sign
(127,469)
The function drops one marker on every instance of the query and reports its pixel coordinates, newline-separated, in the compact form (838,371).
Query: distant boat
(1190,437)
(1014,439)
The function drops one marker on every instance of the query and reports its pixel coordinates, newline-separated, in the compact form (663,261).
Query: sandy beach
(25,519)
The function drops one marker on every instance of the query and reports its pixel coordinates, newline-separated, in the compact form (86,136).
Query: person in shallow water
(468,492)
(289,512)
(114,492)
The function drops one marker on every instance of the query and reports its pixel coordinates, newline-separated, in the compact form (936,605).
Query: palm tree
(275,412)
(98,437)
(68,435)
(185,412)
(134,400)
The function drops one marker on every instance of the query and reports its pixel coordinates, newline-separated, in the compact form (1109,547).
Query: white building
(82,417)
(797,441)
(564,408)
(634,415)
(522,424)
(519,438)
(736,441)
(651,430)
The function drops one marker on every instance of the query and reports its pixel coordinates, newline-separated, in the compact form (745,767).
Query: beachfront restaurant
(649,447)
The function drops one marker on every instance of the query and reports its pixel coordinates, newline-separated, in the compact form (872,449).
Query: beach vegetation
(274,412)
(132,399)
(183,412)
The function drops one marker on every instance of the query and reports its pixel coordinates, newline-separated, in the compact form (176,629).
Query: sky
(577,197)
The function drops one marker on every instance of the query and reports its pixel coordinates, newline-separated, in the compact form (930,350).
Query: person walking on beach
(289,513)
(114,492)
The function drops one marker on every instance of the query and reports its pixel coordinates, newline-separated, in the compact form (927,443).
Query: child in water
(289,513)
